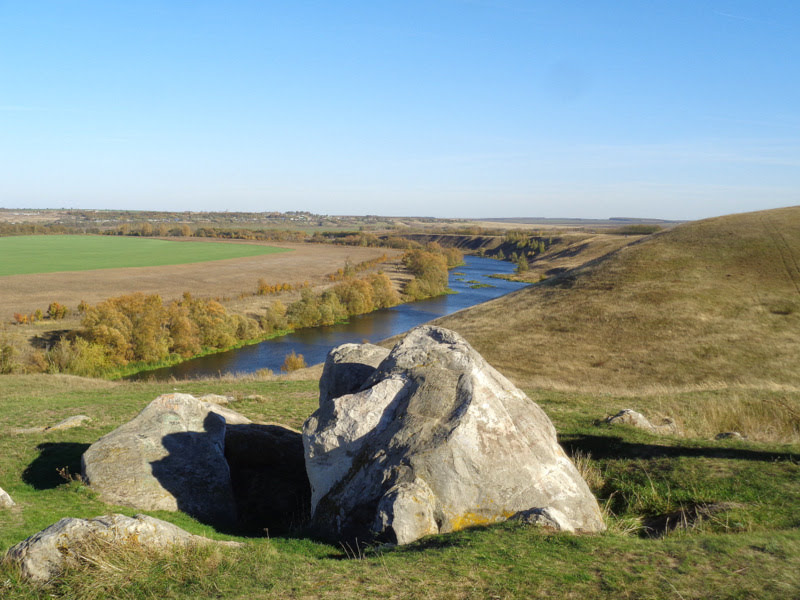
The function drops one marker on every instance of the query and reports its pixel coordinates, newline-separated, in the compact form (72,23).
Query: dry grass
(706,302)
(574,251)
(757,416)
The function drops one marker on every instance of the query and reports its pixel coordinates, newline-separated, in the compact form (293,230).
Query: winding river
(314,343)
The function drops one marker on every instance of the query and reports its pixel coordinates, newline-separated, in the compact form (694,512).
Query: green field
(25,255)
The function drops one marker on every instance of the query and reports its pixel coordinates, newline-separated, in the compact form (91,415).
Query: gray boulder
(436,440)
(169,457)
(347,367)
(5,499)
(46,554)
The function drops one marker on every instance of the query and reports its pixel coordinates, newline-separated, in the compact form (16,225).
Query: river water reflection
(314,343)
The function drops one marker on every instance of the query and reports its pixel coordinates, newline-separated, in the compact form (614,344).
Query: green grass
(24,255)
(751,550)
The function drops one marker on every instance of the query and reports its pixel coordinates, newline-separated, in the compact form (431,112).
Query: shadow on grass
(615,447)
(43,473)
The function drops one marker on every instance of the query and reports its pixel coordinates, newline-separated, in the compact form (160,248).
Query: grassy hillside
(706,303)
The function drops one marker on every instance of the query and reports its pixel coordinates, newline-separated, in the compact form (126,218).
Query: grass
(749,550)
(25,255)
(699,323)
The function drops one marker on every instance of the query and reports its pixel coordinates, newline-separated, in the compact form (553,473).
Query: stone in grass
(217,399)
(548,517)
(68,423)
(630,417)
(46,554)
(5,499)
(169,457)
(435,440)
(729,435)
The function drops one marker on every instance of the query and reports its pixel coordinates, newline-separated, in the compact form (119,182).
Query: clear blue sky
(476,108)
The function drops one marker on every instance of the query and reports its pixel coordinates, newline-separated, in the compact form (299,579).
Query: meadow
(698,323)
(29,254)
(751,549)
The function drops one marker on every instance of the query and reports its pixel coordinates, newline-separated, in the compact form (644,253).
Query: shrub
(430,274)
(57,311)
(292,362)
(7,356)
(79,357)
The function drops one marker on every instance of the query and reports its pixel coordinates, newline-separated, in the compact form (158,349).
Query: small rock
(548,517)
(729,435)
(630,417)
(68,423)
(24,430)
(256,397)
(46,554)
(5,499)
(217,399)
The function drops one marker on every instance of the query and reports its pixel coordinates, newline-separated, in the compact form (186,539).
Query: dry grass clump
(758,416)
(588,469)
(99,569)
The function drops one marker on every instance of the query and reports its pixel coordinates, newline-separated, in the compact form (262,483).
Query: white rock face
(44,555)
(169,457)
(5,499)
(347,367)
(436,440)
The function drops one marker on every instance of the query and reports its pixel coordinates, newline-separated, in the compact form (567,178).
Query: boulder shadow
(196,474)
(54,465)
(247,480)
(615,447)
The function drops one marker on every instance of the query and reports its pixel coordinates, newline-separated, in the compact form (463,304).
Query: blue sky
(466,108)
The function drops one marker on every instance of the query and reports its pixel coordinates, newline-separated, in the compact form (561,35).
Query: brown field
(216,279)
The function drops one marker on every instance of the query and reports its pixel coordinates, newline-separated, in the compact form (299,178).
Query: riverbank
(315,342)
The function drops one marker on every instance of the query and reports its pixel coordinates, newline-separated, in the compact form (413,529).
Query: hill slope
(706,302)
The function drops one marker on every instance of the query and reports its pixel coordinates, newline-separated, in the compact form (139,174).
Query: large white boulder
(433,441)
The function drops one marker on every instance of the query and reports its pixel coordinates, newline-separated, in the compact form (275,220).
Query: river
(314,343)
